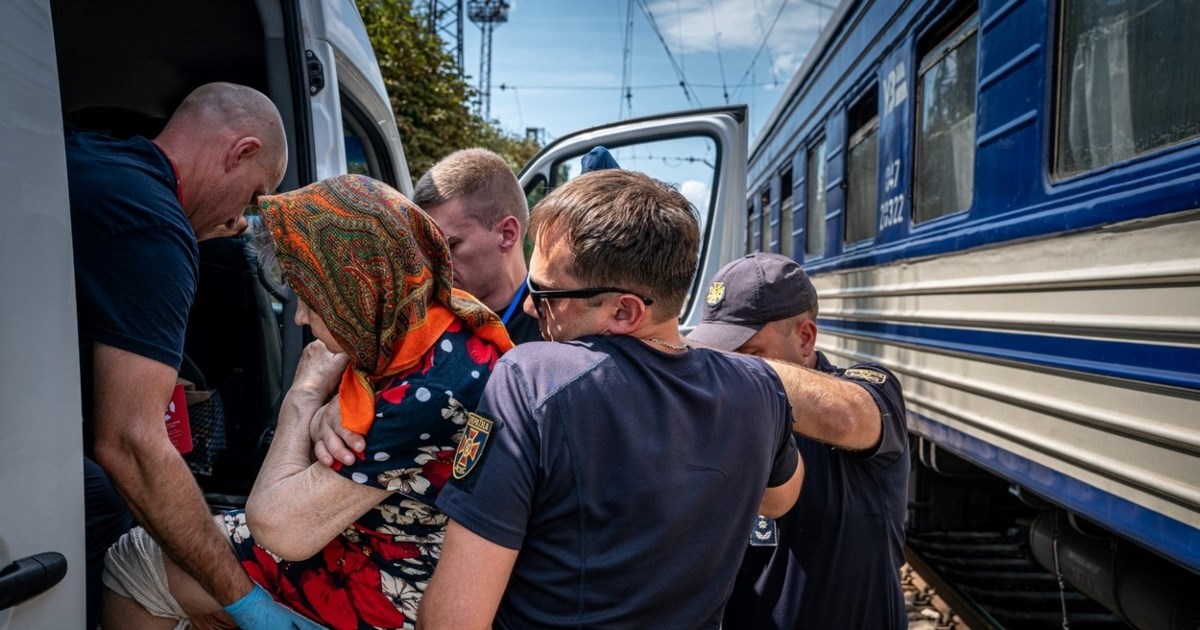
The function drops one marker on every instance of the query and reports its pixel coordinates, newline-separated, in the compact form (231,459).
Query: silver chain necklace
(680,347)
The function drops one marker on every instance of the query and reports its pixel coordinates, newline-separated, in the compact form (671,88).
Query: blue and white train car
(1000,200)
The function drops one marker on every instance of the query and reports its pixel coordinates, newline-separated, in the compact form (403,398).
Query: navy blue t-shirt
(840,548)
(626,477)
(136,257)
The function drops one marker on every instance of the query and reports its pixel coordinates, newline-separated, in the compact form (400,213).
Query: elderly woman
(349,546)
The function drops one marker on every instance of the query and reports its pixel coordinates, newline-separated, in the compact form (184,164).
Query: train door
(703,152)
(41,524)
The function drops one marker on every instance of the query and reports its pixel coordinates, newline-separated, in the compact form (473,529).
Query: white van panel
(334,32)
(41,454)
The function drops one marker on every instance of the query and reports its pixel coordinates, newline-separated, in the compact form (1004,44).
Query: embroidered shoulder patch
(470,447)
(716,293)
(765,533)
(863,374)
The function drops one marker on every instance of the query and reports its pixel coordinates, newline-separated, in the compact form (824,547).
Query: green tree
(428,93)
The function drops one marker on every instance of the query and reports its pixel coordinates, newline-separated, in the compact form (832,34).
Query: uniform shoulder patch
(864,374)
(470,447)
(716,293)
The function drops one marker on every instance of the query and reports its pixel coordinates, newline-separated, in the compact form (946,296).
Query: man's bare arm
(131,394)
(830,409)
(469,581)
(778,500)
(297,505)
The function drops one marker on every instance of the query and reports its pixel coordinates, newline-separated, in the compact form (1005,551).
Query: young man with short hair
(478,203)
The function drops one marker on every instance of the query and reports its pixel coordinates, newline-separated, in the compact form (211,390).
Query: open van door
(354,128)
(41,455)
(703,152)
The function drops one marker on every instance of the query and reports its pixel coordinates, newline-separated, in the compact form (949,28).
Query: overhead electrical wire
(712,12)
(683,83)
(648,86)
(626,97)
(762,27)
(766,36)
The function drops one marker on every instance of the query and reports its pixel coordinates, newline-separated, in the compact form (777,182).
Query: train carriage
(1000,201)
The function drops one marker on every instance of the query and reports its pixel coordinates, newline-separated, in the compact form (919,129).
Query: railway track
(989,579)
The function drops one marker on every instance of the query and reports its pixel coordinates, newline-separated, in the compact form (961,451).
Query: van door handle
(29,577)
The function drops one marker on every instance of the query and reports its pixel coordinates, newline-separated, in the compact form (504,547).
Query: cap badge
(716,293)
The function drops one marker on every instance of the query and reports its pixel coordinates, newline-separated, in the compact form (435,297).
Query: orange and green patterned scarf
(377,270)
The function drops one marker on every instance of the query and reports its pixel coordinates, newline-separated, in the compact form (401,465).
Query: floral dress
(373,574)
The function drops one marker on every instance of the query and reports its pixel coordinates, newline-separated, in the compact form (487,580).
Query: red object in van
(179,429)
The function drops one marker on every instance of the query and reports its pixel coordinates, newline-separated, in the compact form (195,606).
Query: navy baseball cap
(747,294)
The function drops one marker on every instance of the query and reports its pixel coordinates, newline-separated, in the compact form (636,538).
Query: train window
(815,227)
(785,213)
(945,173)
(1123,87)
(862,167)
(765,203)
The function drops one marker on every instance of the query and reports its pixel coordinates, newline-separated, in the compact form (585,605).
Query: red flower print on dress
(264,570)
(436,463)
(348,589)
(482,352)
(423,366)
(395,394)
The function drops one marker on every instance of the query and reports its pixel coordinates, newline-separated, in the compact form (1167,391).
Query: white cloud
(697,193)
(787,64)
(689,24)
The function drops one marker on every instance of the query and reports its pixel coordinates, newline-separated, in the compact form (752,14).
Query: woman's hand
(319,372)
(331,441)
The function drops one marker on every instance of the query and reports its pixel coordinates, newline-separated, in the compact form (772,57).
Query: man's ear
(242,150)
(510,232)
(807,329)
(627,315)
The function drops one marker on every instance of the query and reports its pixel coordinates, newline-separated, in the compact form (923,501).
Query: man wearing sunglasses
(609,479)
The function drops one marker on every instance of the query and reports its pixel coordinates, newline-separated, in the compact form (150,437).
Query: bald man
(137,209)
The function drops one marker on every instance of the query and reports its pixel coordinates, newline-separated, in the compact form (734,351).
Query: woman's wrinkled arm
(298,505)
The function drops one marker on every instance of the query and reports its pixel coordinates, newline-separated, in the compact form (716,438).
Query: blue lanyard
(512,306)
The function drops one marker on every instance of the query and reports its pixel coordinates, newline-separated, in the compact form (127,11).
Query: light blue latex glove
(257,610)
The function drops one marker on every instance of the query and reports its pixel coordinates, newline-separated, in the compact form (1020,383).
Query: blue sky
(561,61)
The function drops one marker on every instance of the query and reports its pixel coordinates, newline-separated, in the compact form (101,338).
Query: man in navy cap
(833,560)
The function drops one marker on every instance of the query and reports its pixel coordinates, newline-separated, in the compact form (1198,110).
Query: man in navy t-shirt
(137,208)
(833,560)
(609,479)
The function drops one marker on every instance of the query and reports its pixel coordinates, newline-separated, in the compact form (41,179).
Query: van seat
(234,338)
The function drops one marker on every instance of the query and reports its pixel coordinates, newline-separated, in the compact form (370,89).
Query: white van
(121,67)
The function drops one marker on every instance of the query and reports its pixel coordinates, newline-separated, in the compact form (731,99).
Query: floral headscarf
(377,270)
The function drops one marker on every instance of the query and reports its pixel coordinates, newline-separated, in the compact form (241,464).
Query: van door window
(366,153)
(688,163)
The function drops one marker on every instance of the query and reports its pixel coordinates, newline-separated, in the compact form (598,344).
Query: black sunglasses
(537,294)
